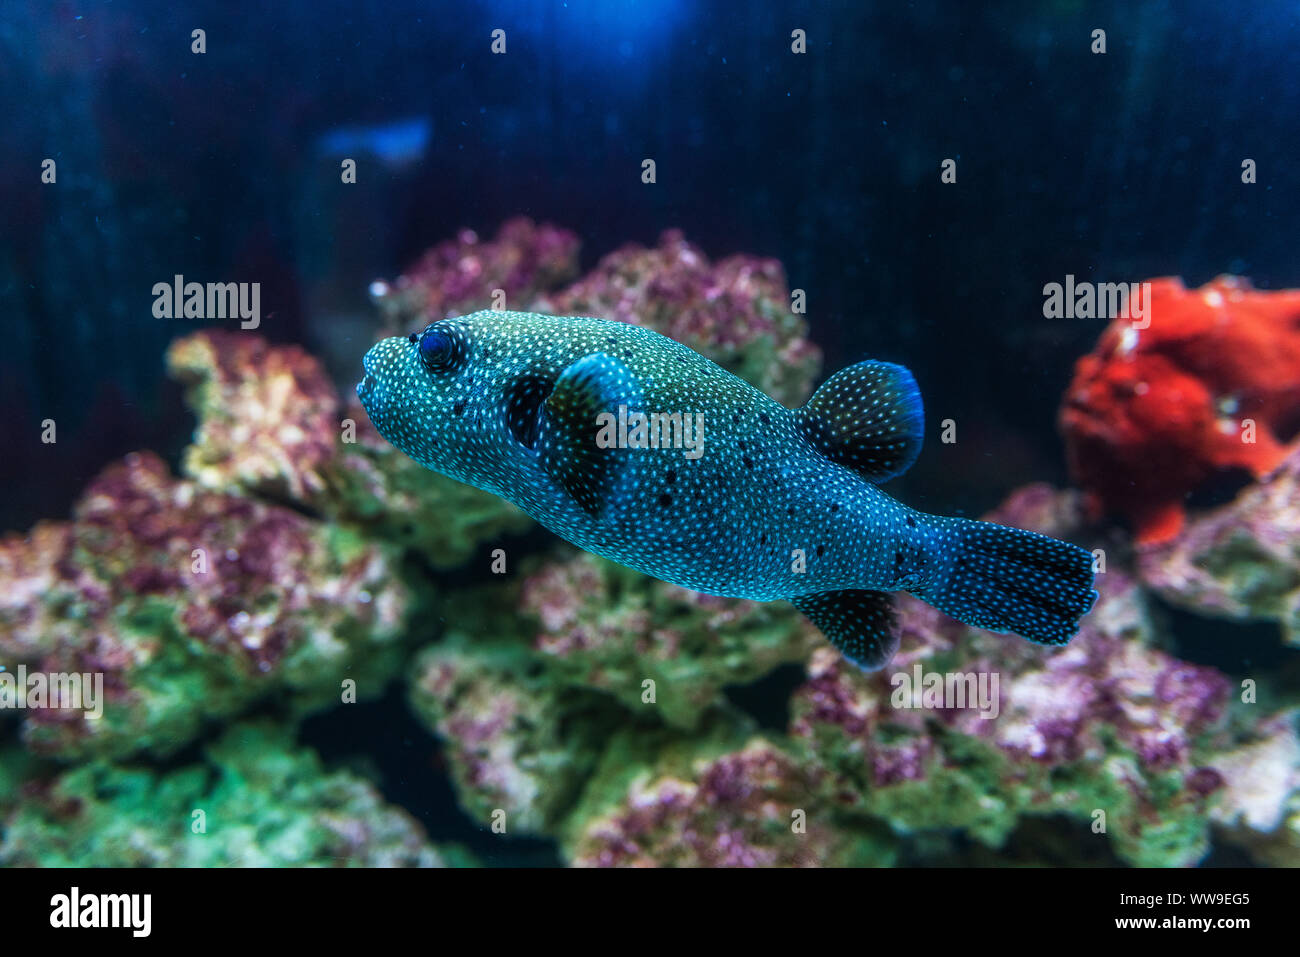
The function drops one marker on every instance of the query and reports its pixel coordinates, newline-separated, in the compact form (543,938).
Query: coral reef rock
(605,626)
(1240,561)
(514,742)
(1106,730)
(255,802)
(1259,807)
(736,311)
(533,677)
(466,274)
(270,427)
(192,604)
(268,415)
(754,807)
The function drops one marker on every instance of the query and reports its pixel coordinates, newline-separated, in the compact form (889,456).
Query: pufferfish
(639,449)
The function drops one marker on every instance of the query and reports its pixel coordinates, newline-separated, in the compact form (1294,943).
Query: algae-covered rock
(191,604)
(255,801)
(533,678)
(737,311)
(1258,807)
(268,416)
(469,273)
(601,625)
(752,807)
(271,426)
(1240,561)
(515,741)
(1108,731)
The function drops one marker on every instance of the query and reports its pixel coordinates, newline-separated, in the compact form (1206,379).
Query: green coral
(192,605)
(553,667)
(1240,561)
(602,625)
(1110,734)
(256,801)
(272,427)
(515,741)
(754,805)
(530,679)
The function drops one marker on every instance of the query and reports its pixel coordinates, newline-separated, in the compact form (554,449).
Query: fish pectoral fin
(867,417)
(574,437)
(863,625)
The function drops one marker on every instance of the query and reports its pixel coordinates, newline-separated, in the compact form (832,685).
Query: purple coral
(1106,722)
(461,275)
(270,427)
(1240,561)
(268,415)
(736,311)
(738,810)
(1055,706)
(606,626)
(158,577)
(1107,684)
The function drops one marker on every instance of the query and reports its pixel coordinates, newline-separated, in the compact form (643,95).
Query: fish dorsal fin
(861,624)
(570,423)
(867,417)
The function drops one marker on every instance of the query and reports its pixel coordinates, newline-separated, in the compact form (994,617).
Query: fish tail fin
(1010,580)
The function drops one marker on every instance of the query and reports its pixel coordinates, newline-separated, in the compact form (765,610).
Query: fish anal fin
(862,624)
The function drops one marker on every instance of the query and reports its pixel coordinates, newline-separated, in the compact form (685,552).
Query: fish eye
(441,348)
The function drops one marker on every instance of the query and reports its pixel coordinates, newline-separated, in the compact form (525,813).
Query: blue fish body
(637,448)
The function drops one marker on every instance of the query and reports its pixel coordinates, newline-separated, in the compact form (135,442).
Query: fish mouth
(368,384)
